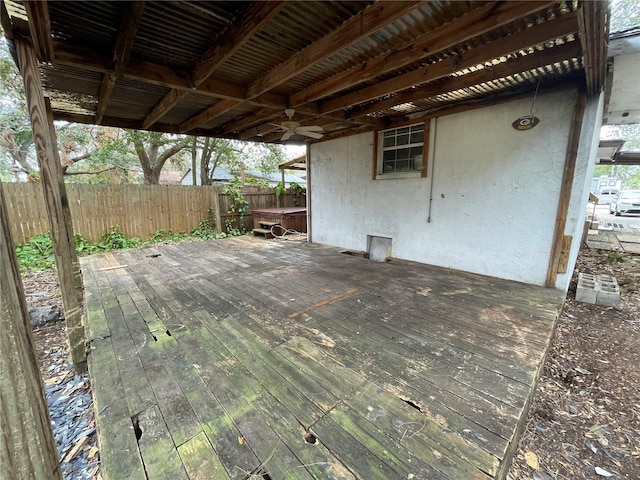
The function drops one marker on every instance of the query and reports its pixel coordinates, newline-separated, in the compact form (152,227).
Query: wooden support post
(565,190)
(56,201)
(308,202)
(216,208)
(27,447)
(66,210)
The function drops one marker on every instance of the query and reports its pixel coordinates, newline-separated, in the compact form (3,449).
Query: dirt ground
(585,419)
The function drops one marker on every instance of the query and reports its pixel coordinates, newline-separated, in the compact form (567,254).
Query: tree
(16,139)
(212,151)
(154,149)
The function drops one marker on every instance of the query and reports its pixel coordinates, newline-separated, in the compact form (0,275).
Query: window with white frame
(401,150)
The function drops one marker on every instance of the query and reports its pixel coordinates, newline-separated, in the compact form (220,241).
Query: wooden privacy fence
(139,210)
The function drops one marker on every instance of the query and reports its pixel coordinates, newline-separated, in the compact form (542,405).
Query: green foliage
(232,228)
(37,253)
(280,190)
(298,191)
(238,204)
(617,257)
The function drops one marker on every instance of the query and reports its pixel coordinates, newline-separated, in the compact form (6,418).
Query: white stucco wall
(495,192)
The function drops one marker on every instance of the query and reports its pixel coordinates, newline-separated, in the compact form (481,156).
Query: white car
(607,195)
(627,202)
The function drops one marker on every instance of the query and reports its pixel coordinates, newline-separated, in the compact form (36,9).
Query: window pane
(402,130)
(402,165)
(389,141)
(388,166)
(403,139)
(389,155)
(402,153)
(415,151)
(417,137)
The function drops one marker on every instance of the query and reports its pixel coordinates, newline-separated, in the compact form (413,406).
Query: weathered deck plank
(243,358)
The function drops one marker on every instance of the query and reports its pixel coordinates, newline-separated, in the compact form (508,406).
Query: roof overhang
(229,69)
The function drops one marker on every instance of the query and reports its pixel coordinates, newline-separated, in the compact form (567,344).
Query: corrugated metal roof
(171,37)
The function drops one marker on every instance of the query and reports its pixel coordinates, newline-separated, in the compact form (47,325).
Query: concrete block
(587,290)
(608,293)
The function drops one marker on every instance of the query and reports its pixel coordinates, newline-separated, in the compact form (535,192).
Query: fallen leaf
(542,476)
(240,440)
(584,371)
(532,460)
(602,472)
(92,452)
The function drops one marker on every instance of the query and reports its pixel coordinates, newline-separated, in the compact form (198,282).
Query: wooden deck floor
(245,358)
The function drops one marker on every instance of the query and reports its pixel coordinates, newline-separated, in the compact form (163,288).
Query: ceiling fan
(291,127)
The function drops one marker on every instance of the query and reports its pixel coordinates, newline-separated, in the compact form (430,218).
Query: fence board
(139,210)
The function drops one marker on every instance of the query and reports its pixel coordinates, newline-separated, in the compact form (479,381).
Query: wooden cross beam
(353,30)
(545,32)
(487,74)
(473,24)
(131,15)
(232,39)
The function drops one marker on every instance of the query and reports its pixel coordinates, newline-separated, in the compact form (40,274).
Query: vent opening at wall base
(379,248)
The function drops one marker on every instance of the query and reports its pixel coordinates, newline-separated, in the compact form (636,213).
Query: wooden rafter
(475,23)
(40,29)
(220,108)
(353,30)
(170,100)
(233,38)
(522,40)
(121,53)
(256,16)
(487,74)
(249,120)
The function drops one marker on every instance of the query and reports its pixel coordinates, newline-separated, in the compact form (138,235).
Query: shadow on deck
(244,358)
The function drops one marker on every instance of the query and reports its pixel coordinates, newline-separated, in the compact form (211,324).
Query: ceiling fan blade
(286,136)
(277,125)
(311,128)
(309,134)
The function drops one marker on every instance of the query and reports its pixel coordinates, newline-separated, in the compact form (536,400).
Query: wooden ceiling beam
(152,73)
(476,103)
(473,24)
(106,88)
(233,38)
(40,29)
(122,51)
(256,16)
(163,106)
(220,108)
(353,30)
(342,133)
(519,65)
(249,120)
(524,39)
(593,36)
